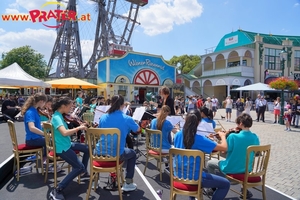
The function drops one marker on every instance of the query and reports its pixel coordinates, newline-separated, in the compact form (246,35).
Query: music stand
(146,116)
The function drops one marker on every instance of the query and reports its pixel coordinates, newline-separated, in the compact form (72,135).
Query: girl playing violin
(46,111)
(65,148)
(188,139)
(33,128)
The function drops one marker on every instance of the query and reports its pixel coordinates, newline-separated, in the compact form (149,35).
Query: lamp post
(283,57)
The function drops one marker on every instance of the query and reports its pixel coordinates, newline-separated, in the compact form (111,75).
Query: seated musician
(188,139)
(93,104)
(65,148)
(165,126)
(115,118)
(237,148)
(33,127)
(46,111)
(10,108)
(207,116)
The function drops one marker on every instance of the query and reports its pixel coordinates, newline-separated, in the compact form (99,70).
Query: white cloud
(2,30)
(11,11)
(161,16)
(30,5)
(296,4)
(41,40)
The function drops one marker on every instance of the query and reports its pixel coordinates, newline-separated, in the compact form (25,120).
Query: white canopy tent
(14,75)
(255,87)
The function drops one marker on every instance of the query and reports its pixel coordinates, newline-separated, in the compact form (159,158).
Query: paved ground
(284,165)
(283,172)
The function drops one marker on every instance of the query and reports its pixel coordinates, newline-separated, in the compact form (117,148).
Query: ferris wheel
(113,24)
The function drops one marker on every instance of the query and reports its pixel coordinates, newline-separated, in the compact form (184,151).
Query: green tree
(185,62)
(29,60)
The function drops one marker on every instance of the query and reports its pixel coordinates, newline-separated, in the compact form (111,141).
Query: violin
(69,118)
(44,112)
(235,130)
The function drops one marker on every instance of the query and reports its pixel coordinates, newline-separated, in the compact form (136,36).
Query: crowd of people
(197,111)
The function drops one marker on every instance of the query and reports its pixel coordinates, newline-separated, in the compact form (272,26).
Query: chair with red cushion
(22,150)
(108,159)
(181,162)
(153,148)
(257,159)
(51,156)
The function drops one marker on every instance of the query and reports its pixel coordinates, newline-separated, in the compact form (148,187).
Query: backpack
(111,182)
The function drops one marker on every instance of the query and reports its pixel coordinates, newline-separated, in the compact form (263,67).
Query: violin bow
(221,125)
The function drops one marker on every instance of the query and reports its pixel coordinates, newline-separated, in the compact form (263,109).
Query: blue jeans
(221,184)
(39,142)
(78,167)
(129,156)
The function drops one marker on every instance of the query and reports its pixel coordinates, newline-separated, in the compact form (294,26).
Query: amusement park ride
(66,55)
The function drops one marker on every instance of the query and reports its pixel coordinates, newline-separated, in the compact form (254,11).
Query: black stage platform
(32,186)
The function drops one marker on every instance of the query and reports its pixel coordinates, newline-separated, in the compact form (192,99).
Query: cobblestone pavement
(284,165)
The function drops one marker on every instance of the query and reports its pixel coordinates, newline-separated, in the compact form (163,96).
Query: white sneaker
(129,187)
(286,129)
(51,169)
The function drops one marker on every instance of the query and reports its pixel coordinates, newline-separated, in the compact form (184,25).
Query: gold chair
(154,148)
(88,117)
(181,162)
(51,155)
(22,151)
(109,139)
(257,158)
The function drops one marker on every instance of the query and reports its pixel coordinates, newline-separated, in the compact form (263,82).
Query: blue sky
(168,27)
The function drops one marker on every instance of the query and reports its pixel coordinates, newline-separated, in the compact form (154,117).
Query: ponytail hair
(32,101)
(61,101)
(116,102)
(163,113)
(190,128)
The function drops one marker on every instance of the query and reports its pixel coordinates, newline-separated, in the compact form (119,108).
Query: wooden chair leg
(55,174)
(160,174)
(47,169)
(90,187)
(18,169)
(264,192)
(146,165)
(119,176)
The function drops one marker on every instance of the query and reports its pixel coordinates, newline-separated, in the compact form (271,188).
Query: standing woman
(167,99)
(248,105)
(33,127)
(115,118)
(65,148)
(188,139)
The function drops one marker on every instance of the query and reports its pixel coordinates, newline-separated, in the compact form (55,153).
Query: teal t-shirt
(63,143)
(201,143)
(236,153)
(92,107)
(79,102)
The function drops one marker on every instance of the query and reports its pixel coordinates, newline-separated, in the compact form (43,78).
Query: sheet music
(99,111)
(138,113)
(125,109)
(205,127)
(175,119)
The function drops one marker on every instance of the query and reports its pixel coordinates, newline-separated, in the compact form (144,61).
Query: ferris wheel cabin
(118,49)
(139,2)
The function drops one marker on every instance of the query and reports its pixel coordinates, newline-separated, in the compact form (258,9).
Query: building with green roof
(242,58)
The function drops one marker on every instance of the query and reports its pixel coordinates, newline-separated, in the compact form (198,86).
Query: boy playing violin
(237,148)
